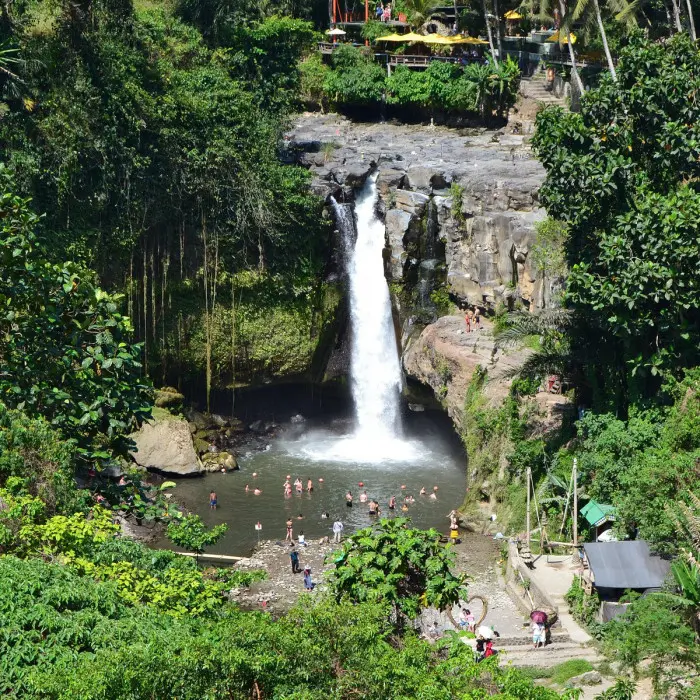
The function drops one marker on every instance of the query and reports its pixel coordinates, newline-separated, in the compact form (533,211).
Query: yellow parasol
(513,15)
(437,39)
(554,39)
(468,40)
(401,37)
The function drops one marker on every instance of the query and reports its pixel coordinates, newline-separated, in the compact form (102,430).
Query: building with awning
(600,516)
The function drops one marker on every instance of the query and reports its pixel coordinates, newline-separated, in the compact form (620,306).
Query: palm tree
(552,326)
(489,33)
(420,11)
(10,82)
(583,7)
(541,9)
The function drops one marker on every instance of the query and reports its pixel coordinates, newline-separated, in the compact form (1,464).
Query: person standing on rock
(468,321)
(477,318)
(212,500)
(294,557)
(290,531)
(337,531)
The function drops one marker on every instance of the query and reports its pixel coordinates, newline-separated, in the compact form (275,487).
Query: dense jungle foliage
(621,194)
(354,79)
(152,154)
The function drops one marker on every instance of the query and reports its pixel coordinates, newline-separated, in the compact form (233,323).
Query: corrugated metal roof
(625,565)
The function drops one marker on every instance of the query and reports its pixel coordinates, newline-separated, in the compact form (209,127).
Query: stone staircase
(519,652)
(534,88)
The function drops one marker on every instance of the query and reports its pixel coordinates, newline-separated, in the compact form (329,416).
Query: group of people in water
(373,504)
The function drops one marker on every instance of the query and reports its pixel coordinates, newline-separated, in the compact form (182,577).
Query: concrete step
(551,655)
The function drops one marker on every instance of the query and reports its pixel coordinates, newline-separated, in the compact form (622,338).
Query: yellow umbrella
(468,40)
(564,40)
(513,15)
(436,39)
(401,37)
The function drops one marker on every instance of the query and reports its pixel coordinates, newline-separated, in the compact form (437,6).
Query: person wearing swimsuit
(212,500)
(348,499)
(392,503)
(290,532)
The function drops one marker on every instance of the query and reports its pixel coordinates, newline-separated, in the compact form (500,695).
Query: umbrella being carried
(485,632)
(540,617)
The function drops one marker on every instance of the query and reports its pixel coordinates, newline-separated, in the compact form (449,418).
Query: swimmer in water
(404,508)
(212,500)
(320,480)
(298,486)
(257,492)
(423,491)
(348,499)
(309,486)
(300,517)
(363,497)
(324,516)
(392,503)
(435,488)
(255,474)
(403,487)
(247,488)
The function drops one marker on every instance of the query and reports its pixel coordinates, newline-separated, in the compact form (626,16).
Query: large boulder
(165,445)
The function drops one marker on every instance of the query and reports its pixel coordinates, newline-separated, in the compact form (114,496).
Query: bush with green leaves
(43,461)
(64,636)
(355,80)
(620,175)
(67,350)
(399,566)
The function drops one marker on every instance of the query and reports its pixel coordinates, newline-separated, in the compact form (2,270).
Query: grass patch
(560,673)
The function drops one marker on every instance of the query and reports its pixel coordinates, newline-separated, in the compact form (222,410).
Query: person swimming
(257,492)
(348,499)
(298,486)
(373,507)
(392,503)
(363,497)
(423,491)
(309,486)
(404,508)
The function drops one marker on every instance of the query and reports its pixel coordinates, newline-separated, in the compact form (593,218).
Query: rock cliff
(460,206)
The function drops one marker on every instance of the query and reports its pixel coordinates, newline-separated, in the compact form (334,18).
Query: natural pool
(318,449)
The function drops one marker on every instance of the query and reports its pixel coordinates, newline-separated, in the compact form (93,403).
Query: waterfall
(375,368)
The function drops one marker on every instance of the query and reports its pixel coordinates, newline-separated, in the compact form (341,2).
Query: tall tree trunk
(604,37)
(145,309)
(676,5)
(499,40)
(207,318)
(456,24)
(489,33)
(572,55)
(233,344)
(693,35)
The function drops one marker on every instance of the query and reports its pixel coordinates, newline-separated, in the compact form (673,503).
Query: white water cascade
(375,368)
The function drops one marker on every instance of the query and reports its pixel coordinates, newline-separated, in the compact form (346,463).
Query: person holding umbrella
(539,628)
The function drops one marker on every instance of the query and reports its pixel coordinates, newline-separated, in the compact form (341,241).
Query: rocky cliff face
(460,205)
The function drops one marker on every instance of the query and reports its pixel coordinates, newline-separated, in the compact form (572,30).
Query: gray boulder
(165,445)
(588,678)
